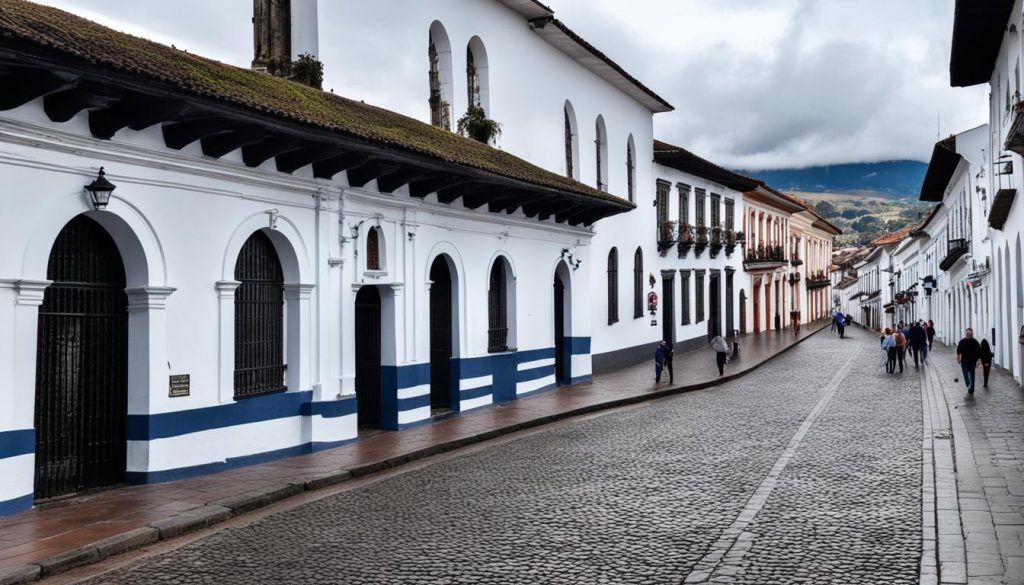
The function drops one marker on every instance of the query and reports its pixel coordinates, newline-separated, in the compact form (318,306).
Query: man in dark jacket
(967,353)
(918,340)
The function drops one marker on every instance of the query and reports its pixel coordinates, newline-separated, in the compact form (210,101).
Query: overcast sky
(756,83)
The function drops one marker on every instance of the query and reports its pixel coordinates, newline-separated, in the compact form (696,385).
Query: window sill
(375,274)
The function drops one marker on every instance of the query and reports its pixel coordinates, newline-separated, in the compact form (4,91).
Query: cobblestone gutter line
(725,557)
(216,512)
(968,548)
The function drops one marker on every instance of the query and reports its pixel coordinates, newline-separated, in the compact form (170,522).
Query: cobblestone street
(807,471)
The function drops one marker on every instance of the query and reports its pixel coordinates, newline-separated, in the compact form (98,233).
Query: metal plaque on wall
(179,385)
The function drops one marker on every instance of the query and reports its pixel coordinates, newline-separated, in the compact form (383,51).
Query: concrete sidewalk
(86,529)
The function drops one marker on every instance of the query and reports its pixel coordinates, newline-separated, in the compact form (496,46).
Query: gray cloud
(757,83)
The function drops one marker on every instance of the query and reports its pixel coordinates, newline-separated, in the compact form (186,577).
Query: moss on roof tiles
(51,29)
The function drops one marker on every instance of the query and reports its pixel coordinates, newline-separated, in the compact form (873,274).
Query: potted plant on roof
(666,235)
(702,240)
(685,239)
(476,125)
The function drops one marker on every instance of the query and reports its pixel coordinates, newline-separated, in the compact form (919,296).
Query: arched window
(601,148)
(498,307)
(259,319)
(439,53)
(373,249)
(631,169)
(638,283)
(477,86)
(572,143)
(613,286)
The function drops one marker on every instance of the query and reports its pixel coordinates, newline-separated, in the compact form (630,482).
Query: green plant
(308,70)
(476,125)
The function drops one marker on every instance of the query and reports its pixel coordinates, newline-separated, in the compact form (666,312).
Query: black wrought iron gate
(440,334)
(82,365)
(368,322)
(560,377)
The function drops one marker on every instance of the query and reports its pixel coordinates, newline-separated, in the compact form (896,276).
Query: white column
(147,349)
(18,360)
(226,336)
(299,335)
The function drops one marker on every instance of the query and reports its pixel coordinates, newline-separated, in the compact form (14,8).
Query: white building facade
(277,267)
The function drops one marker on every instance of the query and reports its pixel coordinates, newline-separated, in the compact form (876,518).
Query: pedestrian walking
(918,341)
(967,353)
(889,348)
(721,350)
(926,346)
(835,321)
(901,348)
(840,322)
(659,362)
(985,357)
(669,352)
(931,333)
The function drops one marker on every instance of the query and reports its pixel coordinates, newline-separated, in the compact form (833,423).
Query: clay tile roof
(893,238)
(70,42)
(679,158)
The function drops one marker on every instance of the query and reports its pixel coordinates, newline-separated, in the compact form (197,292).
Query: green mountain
(896,179)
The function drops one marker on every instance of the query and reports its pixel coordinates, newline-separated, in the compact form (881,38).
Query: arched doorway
(562,313)
(441,334)
(743,312)
(82,365)
(368,357)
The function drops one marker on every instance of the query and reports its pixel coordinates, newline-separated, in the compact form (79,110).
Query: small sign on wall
(179,385)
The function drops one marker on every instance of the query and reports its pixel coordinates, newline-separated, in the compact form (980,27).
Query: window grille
(569,170)
(699,293)
(638,284)
(599,146)
(684,281)
(373,249)
(438,108)
(613,286)
(684,203)
(472,79)
(698,207)
(730,214)
(259,319)
(629,172)
(661,200)
(497,310)
(716,210)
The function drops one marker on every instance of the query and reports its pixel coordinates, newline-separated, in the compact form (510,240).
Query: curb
(226,508)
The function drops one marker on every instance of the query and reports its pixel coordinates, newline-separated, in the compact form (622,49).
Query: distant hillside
(897,179)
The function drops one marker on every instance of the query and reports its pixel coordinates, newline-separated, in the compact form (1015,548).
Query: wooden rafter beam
(222,143)
(392,182)
(63,105)
(326,169)
(21,87)
(368,171)
(137,114)
(253,155)
(424,187)
(450,194)
(290,162)
(178,135)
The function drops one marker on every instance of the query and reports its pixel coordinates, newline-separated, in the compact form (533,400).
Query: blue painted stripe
(412,375)
(474,393)
(413,403)
(17,443)
(138,477)
(538,390)
(476,367)
(331,408)
(15,505)
(325,445)
(143,427)
(533,355)
(581,379)
(535,373)
(579,345)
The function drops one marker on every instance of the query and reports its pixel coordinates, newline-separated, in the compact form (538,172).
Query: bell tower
(283,30)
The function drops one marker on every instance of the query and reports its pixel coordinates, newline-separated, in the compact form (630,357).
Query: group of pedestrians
(915,338)
(969,353)
(839,322)
(665,352)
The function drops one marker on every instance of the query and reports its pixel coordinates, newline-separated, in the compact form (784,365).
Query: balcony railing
(765,257)
(956,249)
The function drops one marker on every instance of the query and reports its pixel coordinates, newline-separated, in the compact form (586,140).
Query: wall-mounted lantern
(100,190)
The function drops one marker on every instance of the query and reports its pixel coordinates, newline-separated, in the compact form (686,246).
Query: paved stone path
(809,471)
